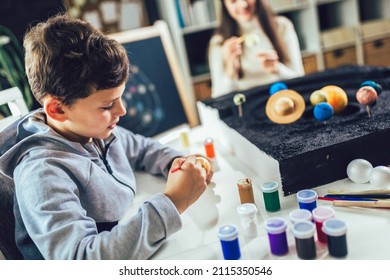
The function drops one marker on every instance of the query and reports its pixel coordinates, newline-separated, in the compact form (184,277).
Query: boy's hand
(185,186)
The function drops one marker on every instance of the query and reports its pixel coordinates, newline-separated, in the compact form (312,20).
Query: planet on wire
(317,96)
(336,97)
(278,86)
(378,88)
(323,111)
(366,95)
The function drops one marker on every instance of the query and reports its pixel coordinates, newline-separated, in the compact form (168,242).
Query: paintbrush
(366,204)
(377,191)
(383,196)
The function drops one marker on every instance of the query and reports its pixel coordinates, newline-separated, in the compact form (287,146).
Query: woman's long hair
(229,27)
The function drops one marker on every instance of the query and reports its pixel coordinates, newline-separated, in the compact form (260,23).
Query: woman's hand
(231,51)
(269,60)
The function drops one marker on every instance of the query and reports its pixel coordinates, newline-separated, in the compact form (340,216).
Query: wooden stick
(242,38)
(367,204)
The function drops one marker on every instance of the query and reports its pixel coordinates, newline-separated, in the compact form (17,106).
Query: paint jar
(304,239)
(276,229)
(307,199)
(245,191)
(248,218)
(320,215)
(336,233)
(299,215)
(209,147)
(185,142)
(228,235)
(271,196)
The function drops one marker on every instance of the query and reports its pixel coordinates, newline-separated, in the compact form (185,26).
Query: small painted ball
(239,99)
(251,40)
(375,85)
(204,163)
(278,86)
(380,177)
(317,96)
(366,95)
(336,97)
(359,170)
(323,111)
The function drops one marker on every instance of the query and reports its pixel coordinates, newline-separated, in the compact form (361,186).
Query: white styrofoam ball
(359,170)
(380,176)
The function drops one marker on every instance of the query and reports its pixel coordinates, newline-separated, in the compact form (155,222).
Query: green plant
(12,72)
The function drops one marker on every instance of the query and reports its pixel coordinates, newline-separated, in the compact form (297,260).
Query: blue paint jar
(228,235)
(276,229)
(304,240)
(336,232)
(307,199)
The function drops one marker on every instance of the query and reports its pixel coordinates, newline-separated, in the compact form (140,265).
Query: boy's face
(94,116)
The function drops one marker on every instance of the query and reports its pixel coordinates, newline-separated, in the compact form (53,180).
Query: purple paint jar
(307,199)
(276,229)
(228,235)
(336,232)
(320,215)
(304,239)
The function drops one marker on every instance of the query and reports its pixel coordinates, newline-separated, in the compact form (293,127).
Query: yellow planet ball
(204,163)
(317,96)
(336,97)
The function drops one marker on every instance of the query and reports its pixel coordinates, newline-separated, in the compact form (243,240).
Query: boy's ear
(54,108)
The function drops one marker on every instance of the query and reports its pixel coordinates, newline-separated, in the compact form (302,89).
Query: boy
(72,167)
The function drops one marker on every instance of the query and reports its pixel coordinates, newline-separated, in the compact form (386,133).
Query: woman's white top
(254,74)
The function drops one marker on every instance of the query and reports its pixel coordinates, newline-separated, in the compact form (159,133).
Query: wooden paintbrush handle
(367,204)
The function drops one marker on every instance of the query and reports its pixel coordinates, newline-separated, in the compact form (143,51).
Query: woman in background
(252,47)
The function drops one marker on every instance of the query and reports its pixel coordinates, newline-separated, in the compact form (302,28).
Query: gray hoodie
(69,196)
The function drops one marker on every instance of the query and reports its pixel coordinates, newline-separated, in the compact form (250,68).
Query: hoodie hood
(30,133)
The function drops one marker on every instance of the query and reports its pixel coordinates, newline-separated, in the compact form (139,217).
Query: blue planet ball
(373,84)
(278,86)
(323,111)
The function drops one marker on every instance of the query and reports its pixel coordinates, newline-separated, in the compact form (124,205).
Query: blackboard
(154,96)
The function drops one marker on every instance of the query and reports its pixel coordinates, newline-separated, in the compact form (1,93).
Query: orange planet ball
(336,97)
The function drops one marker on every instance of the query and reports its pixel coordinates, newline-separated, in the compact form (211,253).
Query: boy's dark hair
(67,58)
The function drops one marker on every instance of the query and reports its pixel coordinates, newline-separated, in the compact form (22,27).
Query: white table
(367,235)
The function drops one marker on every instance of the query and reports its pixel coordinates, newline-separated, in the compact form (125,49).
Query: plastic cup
(307,199)
(271,196)
(320,215)
(304,239)
(336,232)
(276,229)
(248,218)
(228,235)
(299,215)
